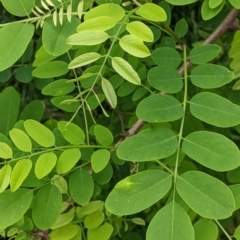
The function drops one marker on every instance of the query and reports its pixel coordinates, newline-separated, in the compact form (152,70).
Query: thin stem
(164,166)
(223,230)
(183,118)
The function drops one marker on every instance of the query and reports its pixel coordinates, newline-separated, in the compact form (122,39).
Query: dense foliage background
(119,119)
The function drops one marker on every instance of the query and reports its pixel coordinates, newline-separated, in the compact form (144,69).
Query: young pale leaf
(138,192)
(55,18)
(87,38)
(69,12)
(21,140)
(66,232)
(5,151)
(60,16)
(181,28)
(107,10)
(54,37)
(206,195)
(13,205)
(152,12)
(9,108)
(124,69)
(140,30)
(94,220)
(159,108)
(235,3)
(166,56)
(19,8)
(80,9)
(45,163)
(212,150)
(207,12)
(64,219)
(134,46)
(109,92)
(39,133)
(19,173)
(71,132)
(102,23)
(60,183)
(51,69)
(46,206)
(58,88)
(14,36)
(99,160)
(215,110)
(103,232)
(181,2)
(215,3)
(209,76)
(103,135)
(67,160)
(165,78)
(148,145)
(170,222)
(81,186)
(204,53)
(67,103)
(205,229)
(5,174)
(84,59)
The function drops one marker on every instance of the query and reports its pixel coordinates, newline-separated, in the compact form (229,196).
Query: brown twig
(229,23)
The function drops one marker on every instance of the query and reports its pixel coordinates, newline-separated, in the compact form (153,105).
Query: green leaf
(54,37)
(159,108)
(81,186)
(68,160)
(66,232)
(149,144)
(45,163)
(215,3)
(170,222)
(152,12)
(99,160)
(204,53)
(140,30)
(181,28)
(207,12)
(237,233)
(46,207)
(215,110)
(58,88)
(103,232)
(235,189)
(64,219)
(24,74)
(5,174)
(30,113)
(209,76)
(165,78)
(84,59)
(13,205)
(235,3)
(67,103)
(109,92)
(16,36)
(124,69)
(103,135)
(87,38)
(19,173)
(181,2)
(94,220)
(206,195)
(166,56)
(104,176)
(71,132)
(106,10)
(138,221)
(205,229)
(50,69)
(9,108)
(138,192)
(21,140)
(60,183)
(42,56)
(102,23)
(20,8)
(39,133)
(5,151)
(134,46)
(212,150)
